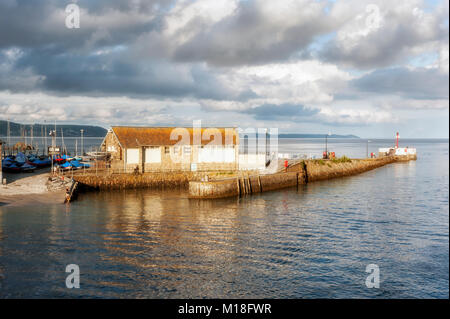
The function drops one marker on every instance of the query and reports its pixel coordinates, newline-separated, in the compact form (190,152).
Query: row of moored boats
(22,163)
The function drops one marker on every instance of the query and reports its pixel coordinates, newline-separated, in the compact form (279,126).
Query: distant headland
(69,130)
(72,130)
(295,135)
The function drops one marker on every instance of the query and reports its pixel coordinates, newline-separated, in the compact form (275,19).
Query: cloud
(287,112)
(357,117)
(384,32)
(114,73)
(419,83)
(317,63)
(257,32)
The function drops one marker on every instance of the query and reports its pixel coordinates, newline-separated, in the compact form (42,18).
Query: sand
(28,189)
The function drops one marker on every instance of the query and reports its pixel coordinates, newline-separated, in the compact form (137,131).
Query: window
(132,156)
(166,150)
(187,150)
(153,155)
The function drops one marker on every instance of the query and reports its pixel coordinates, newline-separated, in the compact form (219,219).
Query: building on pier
(147,149)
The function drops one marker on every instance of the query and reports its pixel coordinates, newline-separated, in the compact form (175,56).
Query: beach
(29,189)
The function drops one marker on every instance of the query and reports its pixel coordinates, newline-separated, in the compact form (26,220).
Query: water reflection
(310,241)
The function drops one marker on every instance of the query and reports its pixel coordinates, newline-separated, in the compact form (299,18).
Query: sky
(368,68)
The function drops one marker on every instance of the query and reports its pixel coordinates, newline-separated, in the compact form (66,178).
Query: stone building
(172,149)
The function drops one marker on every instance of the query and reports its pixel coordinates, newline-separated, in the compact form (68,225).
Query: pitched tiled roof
(132,137)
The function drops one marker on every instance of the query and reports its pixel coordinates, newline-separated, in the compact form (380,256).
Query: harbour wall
(130,181)
(242,185)
(298,174)
(222,185)
(326,169)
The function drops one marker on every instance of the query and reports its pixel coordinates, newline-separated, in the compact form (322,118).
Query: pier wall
(214,189)
(301,173)
(126,181)
(240,184)
(325,169)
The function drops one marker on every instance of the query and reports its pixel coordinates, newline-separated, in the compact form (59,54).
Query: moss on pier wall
(317,172)
(242,185)
(125,181)
(214,189)
(277,181)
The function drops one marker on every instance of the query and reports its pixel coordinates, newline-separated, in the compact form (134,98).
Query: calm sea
(310,242)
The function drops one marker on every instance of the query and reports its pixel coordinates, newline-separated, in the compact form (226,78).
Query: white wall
(405,151)
(153,155)
(132,156)
(216,154)
(252,161)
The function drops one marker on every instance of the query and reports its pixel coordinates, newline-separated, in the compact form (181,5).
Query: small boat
(21,158)
(97,155)
(13,168)
(27,168)
(66,166)
(7,162)
(40,163)
(59,160)
(77,164)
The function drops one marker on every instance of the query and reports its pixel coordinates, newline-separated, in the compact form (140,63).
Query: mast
(25,134)
(45,138)
(42,138)
(62,142)
(31,134)
(9,137)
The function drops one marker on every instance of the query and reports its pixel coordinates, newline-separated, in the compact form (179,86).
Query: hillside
(69,130)
(295,135)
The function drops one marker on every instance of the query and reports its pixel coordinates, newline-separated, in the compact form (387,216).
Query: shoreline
(37,188)
(31,199)
(28,189)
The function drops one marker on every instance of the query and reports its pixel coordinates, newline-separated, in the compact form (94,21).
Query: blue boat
(13,168)
(77,164)
(21,158)
(27,168)
(66,166)
(42,162)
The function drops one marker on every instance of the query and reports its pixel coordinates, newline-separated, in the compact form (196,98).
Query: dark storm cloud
(250,36)
(115,74)
(417,84)
(33,24)
(286,112)
(98,58)
(143,49)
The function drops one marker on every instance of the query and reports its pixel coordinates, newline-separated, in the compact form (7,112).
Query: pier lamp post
(82,148)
